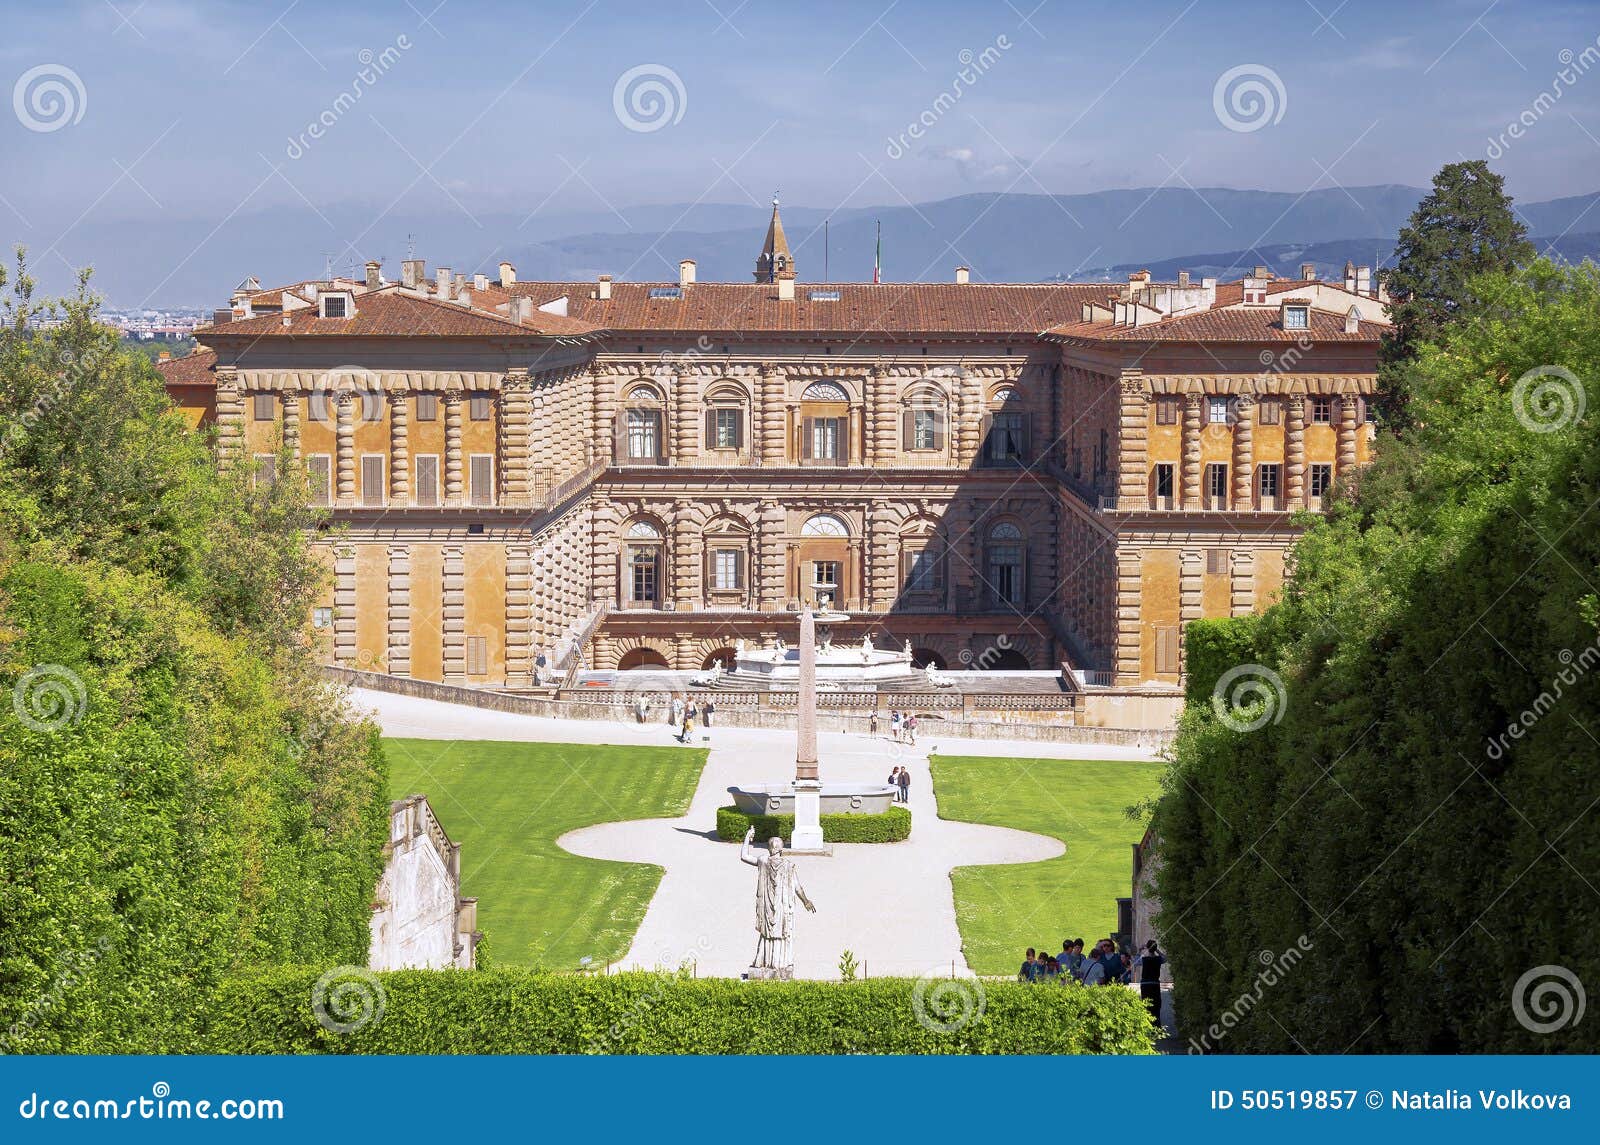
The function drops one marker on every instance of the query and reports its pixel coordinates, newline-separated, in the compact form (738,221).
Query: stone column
(774,386)
(969,434)
(1190,491)
(519,616)
(344,606)
(1346,440)
(453,481)
(683,649)
(1127,658)
(345,443)
(1243,583)
(604,405)
(688,418)
(805,755)
(399,448)
(883,577)
(513,431)
(685,556)
(1243,451)
(770,585)
(399,610)
(883,416)
(453,615)
(1133,450)
(291,421)
(230,417)
(1294,450)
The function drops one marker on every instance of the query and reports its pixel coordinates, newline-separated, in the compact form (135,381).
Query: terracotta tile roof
(890,310)
(196,369)
(1232,293)
(1241,324)
(391,313)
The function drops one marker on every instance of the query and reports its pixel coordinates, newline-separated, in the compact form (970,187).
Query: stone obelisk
(807,779)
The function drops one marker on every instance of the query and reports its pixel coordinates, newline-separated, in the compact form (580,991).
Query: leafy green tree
(1463,229)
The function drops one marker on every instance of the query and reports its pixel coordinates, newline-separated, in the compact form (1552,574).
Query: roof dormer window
(1296,317)
(335,305)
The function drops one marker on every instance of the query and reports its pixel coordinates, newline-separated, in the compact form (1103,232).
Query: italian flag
(877,258)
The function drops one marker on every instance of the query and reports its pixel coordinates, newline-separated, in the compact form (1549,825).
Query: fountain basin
(837,799)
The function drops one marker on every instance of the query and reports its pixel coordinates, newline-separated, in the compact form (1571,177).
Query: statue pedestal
(807,837)
(767,973)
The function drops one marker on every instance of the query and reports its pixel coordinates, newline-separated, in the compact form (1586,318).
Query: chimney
(441,283)
(1183,280)
(508,274)
(1308,272)
(786,286)
(480,282)
(1363,280)
(686,272)
(374,277)
(1350,276)
(413,272)
(461,284)
(218,317)
(962,275)
(1261,272)
(603,292)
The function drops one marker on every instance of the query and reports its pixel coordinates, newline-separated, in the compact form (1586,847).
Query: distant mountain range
(1285,259)
(1001,237)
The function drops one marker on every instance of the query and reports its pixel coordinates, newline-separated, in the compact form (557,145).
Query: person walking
(688,722)
(705,713)
(894,782)
(911,729)
(894,724)
(677,711)
(905,785)
(1150,963)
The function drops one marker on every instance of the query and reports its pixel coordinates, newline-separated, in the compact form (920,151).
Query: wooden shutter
(319,467)
(427,407)
(265,407)
(711,429)
(985,436)
(619,437)
(738,568)
(908,429)
(427,492)
(738,428)
(477,655)
(372,479)
(1167,650)
(482,479)
(1217,562)
(266,471)
(938,429)
(806,425)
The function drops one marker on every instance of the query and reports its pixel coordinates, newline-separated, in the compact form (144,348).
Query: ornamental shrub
(528,1012)
(893,826)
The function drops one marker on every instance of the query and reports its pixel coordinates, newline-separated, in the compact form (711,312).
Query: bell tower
(774,257)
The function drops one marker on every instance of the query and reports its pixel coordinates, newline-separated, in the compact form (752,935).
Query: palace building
(1046,476)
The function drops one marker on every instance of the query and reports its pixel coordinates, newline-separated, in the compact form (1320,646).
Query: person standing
(905,785)
(705,713)
(894,782)
(688,722)
(911,729)
(1150,963)
(1030,967)
(894,724)
(872,724)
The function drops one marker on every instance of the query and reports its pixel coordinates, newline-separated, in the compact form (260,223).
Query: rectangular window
(1217,562)
(725,570)
(644,434)
(1167,650)
(266,470)
(1321,480)
(1005,573)
(642,579)
(427,479)
(427,407)
(322,618)
(264,407)
(477,655)
(1271,411)
(1217,411)
(924,429)
(333,306)
(726,429)
(825,572)
(826,438)
(1005,443)
(1166,410)
(481,477)
(1268,484)
(372,479)
(479,405)
(922,571)
(1164,477)
(1216,485)
(1296,317)
(319,476)
(1321,411)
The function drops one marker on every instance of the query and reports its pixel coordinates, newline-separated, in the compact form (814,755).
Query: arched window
(824,392)
(824,525)
(1007,564)
(824,425)
(641,565)
(1005,435)
(921,558)
(640,440)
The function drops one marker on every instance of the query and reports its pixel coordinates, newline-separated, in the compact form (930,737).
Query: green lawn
(508,803)
(1002,910)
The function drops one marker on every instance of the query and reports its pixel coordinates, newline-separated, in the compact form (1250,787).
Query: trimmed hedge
(528,1012)
(893,826)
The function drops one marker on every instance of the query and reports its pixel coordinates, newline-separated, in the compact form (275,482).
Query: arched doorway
(1010,660)
(641,658)
(928,658)
(723,654)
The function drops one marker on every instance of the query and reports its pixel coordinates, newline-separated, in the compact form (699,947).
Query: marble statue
(777,888)
(738,647)
(908,647)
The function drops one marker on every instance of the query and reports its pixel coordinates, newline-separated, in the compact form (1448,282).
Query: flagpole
(825,277)
(877,256)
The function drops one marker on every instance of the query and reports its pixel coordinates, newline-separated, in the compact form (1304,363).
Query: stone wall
(419,919)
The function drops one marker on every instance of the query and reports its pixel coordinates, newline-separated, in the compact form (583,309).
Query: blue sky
(192,110)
